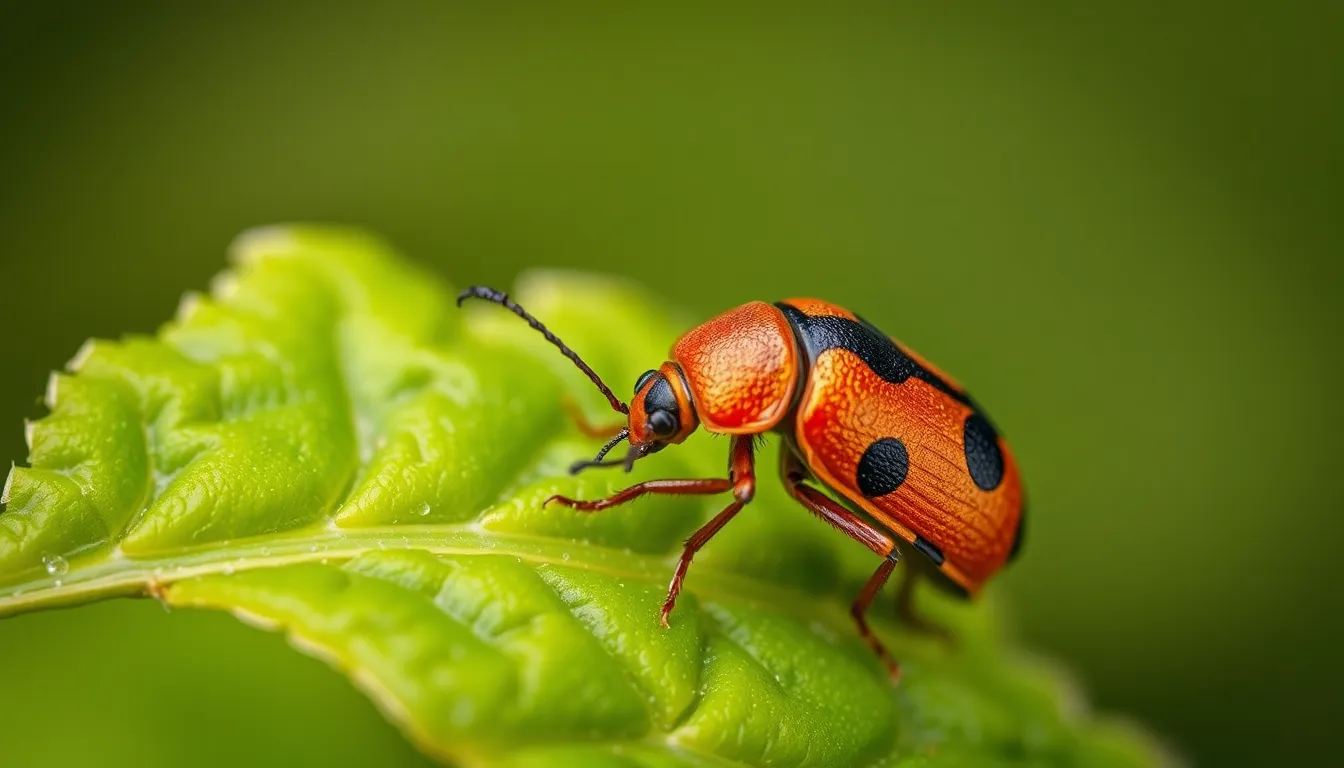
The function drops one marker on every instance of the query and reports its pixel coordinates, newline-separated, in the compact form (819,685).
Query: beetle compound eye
(644,379)
(663,423)
(660,403)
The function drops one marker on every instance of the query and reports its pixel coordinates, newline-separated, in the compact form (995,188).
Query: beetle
(917,462)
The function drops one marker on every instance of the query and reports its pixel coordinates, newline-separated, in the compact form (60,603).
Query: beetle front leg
(666,487)
(742,466)
(741,481)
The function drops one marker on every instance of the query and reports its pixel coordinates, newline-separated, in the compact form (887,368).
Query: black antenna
(501,298)
(597,461)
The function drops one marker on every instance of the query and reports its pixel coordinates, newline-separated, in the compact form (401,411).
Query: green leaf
(325,446)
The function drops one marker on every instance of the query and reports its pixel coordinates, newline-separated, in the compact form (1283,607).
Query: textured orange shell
(742,368)
(845,407)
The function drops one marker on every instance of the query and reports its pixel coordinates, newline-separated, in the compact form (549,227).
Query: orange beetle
(859,413)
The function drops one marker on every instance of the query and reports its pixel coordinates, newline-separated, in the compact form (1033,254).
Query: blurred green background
(1118,223)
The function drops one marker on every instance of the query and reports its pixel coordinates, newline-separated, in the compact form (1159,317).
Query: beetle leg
(742,482)
(585,426)
(906,613)
(858,529)
(668,487)
(859,610)
(742,466)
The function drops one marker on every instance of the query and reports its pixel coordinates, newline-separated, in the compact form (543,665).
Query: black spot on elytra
(930,551)
(873,347)
(984,460)
(883,467)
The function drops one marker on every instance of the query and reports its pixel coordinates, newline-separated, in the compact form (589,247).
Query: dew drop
(325,561)
(425,509)
(55,565)
(313,548)
(265,551)
(56,583)
(565,557)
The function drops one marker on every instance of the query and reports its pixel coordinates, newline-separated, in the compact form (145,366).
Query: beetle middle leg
(741,481)
(858,529)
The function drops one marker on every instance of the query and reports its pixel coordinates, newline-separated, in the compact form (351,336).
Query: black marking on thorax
(873,347)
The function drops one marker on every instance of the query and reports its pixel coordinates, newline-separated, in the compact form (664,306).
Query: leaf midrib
(118,575)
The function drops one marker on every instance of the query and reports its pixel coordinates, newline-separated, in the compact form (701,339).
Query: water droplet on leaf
(55,565)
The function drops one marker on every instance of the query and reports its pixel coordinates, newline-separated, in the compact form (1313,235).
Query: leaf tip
(82,355)
(224,286)
(188,305)
(253,243)
(53,392)
(9,484)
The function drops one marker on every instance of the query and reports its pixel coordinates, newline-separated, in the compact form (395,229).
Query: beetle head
(662,412)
